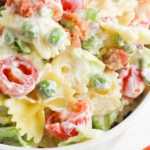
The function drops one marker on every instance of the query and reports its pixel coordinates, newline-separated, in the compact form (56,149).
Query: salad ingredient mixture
(70,70)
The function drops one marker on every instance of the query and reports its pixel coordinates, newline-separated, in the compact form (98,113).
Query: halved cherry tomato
(72,5)
(70,122)
(17,76)
(131,82)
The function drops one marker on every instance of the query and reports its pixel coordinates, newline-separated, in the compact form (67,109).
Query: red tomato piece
(17,76)
(70,122)
(115,59)
(73,5)
(131,82)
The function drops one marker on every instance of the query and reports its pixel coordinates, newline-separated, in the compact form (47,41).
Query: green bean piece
(46,12)
(1,9)
(9,37)
(130,48)
(89,14)
(23,46)
(91,43)
(101,82)
(56,37)
(47,88)
(30,30)
(118,40)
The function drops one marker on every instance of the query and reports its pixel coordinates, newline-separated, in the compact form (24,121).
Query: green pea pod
(101,82)
(130,48)
(46,12)
(89,14)
(104,122)
(118,39)
(23,46)
(47,88)
(1,9)
(91,43)
(9,37)
(30,30)
(67,24)
(56,37)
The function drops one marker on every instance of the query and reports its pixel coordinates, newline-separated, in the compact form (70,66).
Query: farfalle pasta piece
(14,22)
(103,102)
(126,18)
(28,113)
(112,8)
(128,34)
(77,66)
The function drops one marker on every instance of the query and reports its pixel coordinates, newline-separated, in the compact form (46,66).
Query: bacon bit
(9,2)
(1,32)
(81,28)
(115,59)
(25,8)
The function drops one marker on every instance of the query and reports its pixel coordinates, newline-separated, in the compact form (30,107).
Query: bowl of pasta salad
(73,74)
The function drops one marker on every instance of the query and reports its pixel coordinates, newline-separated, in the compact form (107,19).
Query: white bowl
(145,103)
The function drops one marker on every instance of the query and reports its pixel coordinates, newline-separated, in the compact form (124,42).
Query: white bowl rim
(106,137)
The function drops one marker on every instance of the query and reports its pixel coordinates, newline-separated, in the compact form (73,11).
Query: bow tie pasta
(31,110)
(112,8)
(103,102)
(35,31)
(77,66)
(128,34)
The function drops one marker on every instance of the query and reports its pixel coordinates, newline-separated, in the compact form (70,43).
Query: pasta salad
(70,70)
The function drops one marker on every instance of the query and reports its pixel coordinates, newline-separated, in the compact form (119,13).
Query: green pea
(143,61)
(15,46)
(101,82)
(46,12)
(56,37)
(118,40)
(9,37)
(130,48)
(89,14)
(47,88)
(91,43)
(30,30)
(1,9)
(102,52)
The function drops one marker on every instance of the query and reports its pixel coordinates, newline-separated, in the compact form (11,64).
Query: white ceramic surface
(89,145)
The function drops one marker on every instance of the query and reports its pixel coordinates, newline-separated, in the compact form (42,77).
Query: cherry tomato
(17,76)
(70,122)
(72,5)
(131,81)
